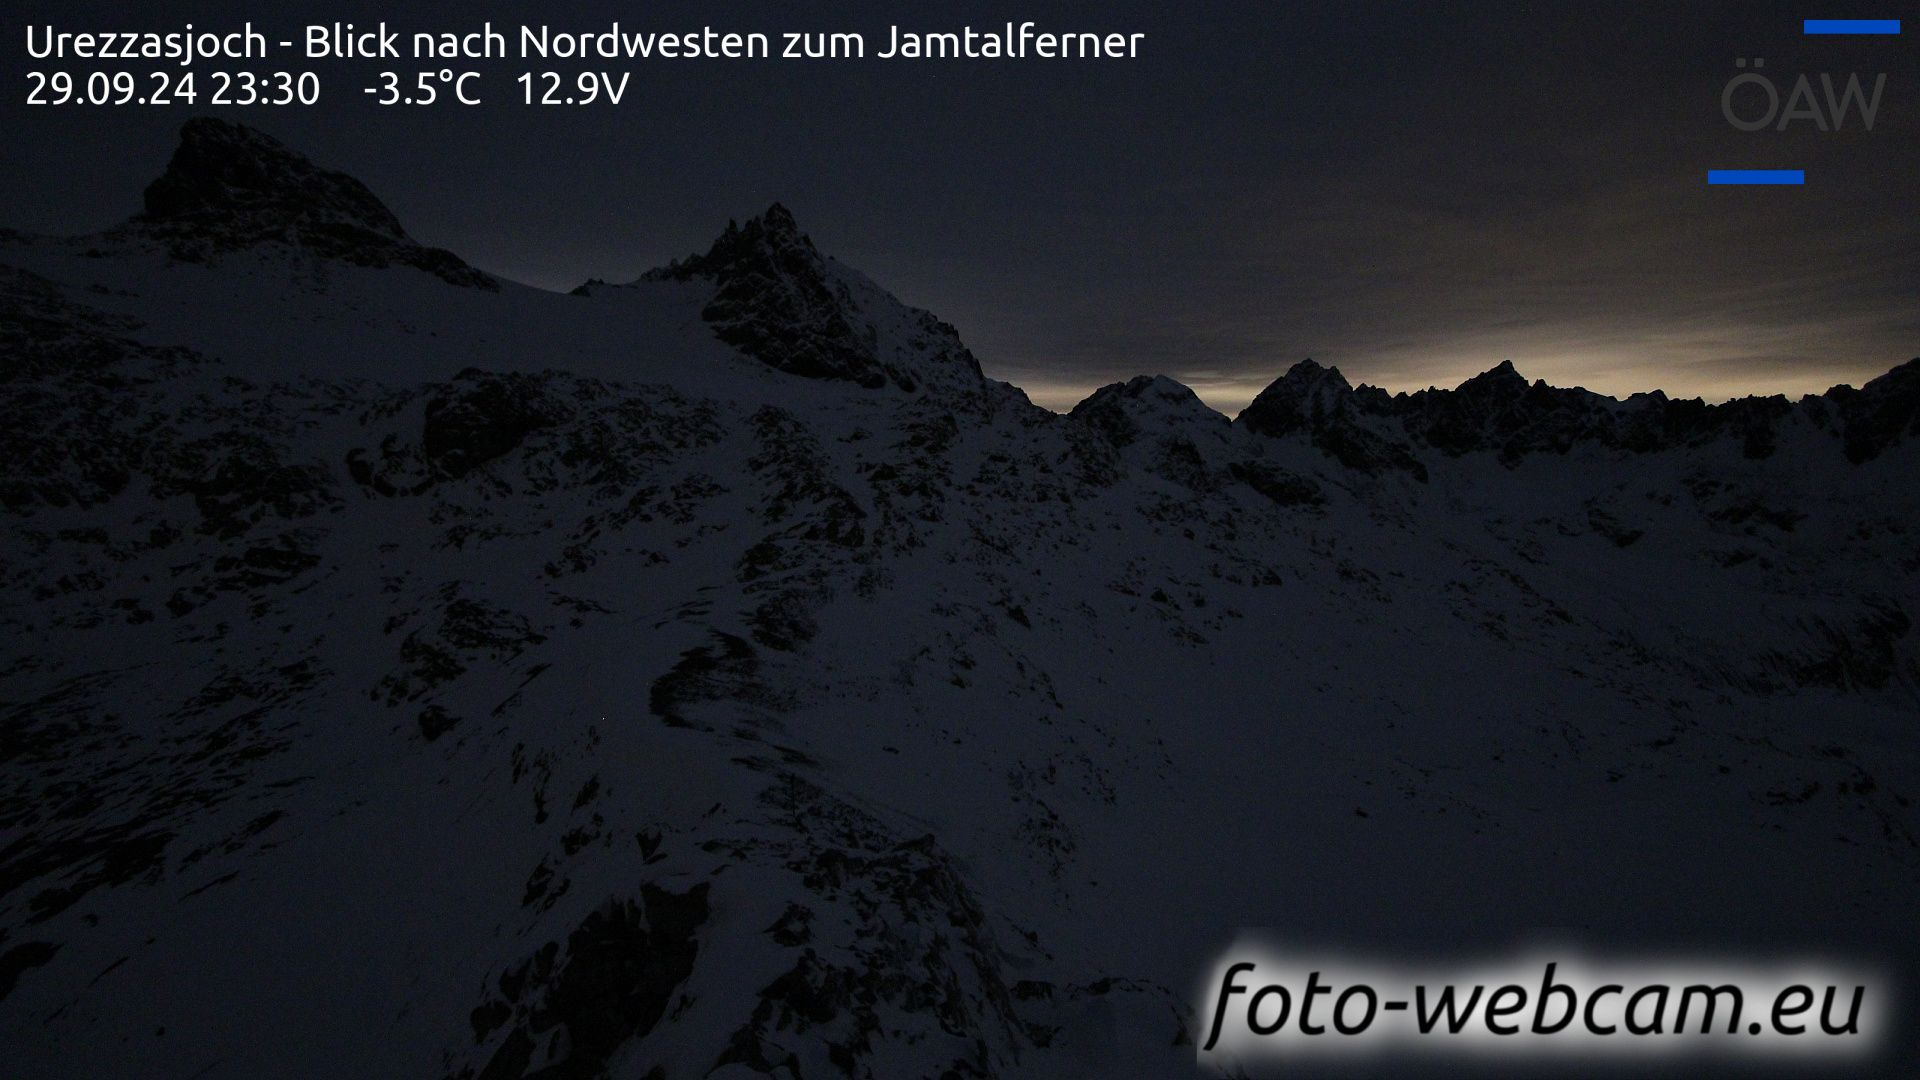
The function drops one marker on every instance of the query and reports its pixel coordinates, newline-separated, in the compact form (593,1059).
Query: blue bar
(1851,26)
(1757,176)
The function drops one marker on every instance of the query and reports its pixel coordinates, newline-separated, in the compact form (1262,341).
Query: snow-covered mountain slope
(409,673)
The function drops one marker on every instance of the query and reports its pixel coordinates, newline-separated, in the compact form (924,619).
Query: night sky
(1411,191)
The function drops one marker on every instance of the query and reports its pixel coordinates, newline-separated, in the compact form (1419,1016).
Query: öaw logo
(1753,101)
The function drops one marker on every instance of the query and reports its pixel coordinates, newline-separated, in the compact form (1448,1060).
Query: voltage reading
(549,88)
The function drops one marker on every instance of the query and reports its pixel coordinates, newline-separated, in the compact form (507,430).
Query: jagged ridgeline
(410,672)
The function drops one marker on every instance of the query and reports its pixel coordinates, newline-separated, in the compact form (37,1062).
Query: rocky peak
(1502,380)
(1310,372)
(771,246)
(1302,398)
(223,172)
(1319,402)
(1310,380)
(1883,412)
(230,187)
(1157,390)
(1124,411)
(779,301)
(1499,411)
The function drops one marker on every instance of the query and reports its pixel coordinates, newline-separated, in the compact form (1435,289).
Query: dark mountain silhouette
(230,187)
(411,672)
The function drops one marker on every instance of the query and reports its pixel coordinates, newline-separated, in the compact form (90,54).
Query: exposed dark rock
(435,721)
(1123,411)
(1867,648)
(482,416)
(464,631)
(569,1009)
(1319,403)
(724,668)
(1881,413)
(1283,487)
(15,961)
(230,187)
(1500,412)
(777,300)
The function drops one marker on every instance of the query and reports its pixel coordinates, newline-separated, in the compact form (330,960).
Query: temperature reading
(549,88)
(425,89)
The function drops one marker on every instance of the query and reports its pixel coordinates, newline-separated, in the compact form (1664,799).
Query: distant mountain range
(410,672)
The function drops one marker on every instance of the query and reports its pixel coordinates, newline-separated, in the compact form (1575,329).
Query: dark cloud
(1413,191)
